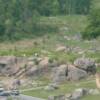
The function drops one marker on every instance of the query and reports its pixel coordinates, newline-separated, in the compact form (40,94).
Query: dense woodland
(22,16)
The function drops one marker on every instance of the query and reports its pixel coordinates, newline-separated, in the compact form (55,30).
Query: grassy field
(92,97)
(68,87)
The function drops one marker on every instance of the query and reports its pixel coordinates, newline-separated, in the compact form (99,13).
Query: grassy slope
(49,41)
(75,24)
(28,47)
(64,89)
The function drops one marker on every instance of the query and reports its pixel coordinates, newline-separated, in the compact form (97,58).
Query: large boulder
(75,74)
(78,93)
(70,72)
(85,64)
(59,74)
(7,64)
(10,65)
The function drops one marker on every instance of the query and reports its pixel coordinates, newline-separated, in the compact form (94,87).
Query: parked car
(1,90)
(5,93)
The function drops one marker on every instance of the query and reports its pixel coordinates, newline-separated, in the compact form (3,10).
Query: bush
(93,28)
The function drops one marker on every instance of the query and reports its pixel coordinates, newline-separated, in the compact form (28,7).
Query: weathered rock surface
(59,74)
(34,66)
(7,64)
(78,93)
(76,74)
(36,71)
(85,64)
(81,69)
(11,64)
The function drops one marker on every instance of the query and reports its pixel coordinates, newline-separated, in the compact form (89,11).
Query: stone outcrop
(34,66)
(7,64)
(10,65)
(82,68)
(86,64)
(59,74)
(36,71)
(76,74)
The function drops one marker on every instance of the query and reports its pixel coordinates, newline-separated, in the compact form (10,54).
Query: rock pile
(86,64)
(82,68)
(34,66)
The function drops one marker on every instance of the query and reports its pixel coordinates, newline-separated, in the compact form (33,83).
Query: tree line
(21,16)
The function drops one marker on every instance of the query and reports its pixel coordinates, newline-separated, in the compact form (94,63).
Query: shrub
(93,28)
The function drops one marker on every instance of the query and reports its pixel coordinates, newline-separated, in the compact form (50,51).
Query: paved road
(25,97)
(3,98)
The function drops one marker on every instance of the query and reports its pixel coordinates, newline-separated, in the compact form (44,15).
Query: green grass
(91,97)
(75,23)
(49,42)
(64,89)
(63,57)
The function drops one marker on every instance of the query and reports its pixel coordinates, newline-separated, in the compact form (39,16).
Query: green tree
(19,18)
(74,6)
(93,28)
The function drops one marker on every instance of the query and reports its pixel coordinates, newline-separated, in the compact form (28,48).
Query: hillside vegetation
(38,28)
(21,18)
